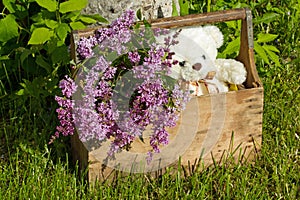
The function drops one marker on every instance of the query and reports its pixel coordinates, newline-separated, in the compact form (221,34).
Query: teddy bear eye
(182,63)
(204,57)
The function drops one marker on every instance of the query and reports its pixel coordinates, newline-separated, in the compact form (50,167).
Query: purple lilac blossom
(180,97)
(96,116)
(103,90)
(66,126)
(114,37)
(87,123)
(126,20)
(67,86)
(85,47)
(150,95)
(149,108)
(109,73)
(160,31)
(127,123)
(160,136)
(134,57)
(90,124)
(121,139)
(64,113)
(151,65)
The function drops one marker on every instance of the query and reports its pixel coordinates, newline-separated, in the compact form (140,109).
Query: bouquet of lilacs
(121,87)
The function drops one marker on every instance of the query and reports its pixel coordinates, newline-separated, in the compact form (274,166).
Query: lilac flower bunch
(121,88)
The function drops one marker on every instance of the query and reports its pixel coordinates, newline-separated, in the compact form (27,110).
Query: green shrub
(34,46)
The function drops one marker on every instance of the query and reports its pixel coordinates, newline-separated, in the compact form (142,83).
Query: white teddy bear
(198,66)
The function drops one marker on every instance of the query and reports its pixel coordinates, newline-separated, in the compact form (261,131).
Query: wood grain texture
(242,120)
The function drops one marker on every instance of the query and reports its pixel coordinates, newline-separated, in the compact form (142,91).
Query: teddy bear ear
(216,34)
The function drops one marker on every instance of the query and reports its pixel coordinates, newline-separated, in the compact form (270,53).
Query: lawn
(30,168)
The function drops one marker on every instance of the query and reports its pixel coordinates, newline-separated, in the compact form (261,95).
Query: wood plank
(199,19)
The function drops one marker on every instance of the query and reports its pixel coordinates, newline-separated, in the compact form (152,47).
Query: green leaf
(50,5)
(272,48)
(232,24)
(24,85)
(40,36)
(168,81)
(271,54)
(60,55)
(37,25)
(97,17)
(266,37)
(146,24)
(73,16)
(41,62)
(51,23)
(261,52)
(29,65)
(139,14)
(240,5)
(278,10)
(9,28)
(62,31)
(9,5)
(20,92)
(45,14)
(87,20)
(174,9)
(266,18)
(77,25)
(232,46)
(37,17)
(5,57)
(136,27)
(51,45)
(25,54)
(184,7)
(72,5)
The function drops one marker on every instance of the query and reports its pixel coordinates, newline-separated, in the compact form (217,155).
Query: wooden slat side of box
(242,117)
(79,153)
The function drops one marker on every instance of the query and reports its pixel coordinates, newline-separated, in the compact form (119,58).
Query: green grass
(32,169)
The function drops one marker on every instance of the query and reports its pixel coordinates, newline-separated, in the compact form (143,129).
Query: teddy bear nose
(197,66)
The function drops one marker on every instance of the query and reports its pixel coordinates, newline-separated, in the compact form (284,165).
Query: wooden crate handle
(200,19)
(246,54)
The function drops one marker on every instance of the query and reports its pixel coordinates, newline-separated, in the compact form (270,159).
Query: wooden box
(226,122)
